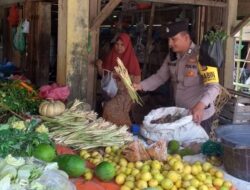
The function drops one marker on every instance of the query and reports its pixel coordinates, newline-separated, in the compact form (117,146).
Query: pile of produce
(29,173)
(18,97)
(19,138)
(81,129)
(174,173)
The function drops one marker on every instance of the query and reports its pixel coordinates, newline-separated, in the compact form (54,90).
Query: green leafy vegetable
(20,138)
(212,36)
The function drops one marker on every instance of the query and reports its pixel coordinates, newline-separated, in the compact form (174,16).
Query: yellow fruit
(191,188)
(219,174)
(166,184)
(138,164)
(156,165)
(178,183)
(135,172)
(203,187)
(120,179)
(141,184)
(174,188)
(218,182)
(130,165)
(178,166)
(88,176)
(114,148)
(194,169)
(206,166)
(129,184)
(86,156)
(194,182)
(173,176)
(187,169)
(145,168)
(128,171)
(83,152)
(152,183)
(124,187)
(188,177)
(130,178)
(227,184)
(159,177)
(186,184)
(108,150)
(212,171)
(123,162)
(201,176)
(146,176)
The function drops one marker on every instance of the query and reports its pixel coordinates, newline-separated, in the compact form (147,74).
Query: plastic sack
(137,151)
(182,130)
(54,179)
(211,49)
(108,84)
(19,39)
(54,92)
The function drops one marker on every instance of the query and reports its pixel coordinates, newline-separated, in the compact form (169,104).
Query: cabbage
(5,183)
(8,170)
(14,161)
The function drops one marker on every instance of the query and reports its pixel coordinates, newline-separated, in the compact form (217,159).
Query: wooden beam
(94,8)
(228,68)
(192,2)
(105,12)
(239,26)
(8,2)
(62,42)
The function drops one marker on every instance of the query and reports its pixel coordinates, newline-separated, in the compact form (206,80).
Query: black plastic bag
(211,49)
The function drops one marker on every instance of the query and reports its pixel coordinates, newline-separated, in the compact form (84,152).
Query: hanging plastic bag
(211,49)
(19,39)
(108,84)
(13,17)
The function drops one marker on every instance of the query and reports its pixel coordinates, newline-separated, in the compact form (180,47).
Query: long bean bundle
(123,73)
(82,130)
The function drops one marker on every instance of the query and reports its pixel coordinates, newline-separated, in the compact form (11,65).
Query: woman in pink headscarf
(117,109)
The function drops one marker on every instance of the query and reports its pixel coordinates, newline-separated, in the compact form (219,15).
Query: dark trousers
(207,124)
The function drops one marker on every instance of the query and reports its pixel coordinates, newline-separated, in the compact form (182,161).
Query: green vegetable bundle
(81,129)
(19,138)
(17,98)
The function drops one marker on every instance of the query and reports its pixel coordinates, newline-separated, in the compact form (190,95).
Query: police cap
(175,27)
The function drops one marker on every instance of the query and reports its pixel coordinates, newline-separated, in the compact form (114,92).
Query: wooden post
(94,8)
(230,21)
(74,50)
(149,40)
(62,42)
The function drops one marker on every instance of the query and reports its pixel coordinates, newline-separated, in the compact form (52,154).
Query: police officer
(195,87)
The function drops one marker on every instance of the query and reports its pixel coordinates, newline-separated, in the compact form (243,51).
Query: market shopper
(195,87)
(117,108)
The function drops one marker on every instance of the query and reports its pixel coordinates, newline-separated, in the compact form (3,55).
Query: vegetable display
(81,129)
(19,138)
(16,97)
(29,173)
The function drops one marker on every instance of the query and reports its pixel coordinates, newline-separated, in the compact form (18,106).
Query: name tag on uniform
(209,74)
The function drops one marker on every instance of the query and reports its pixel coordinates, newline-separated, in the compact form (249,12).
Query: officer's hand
(137,86)
(197,112)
